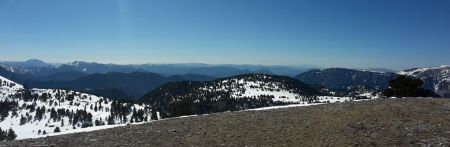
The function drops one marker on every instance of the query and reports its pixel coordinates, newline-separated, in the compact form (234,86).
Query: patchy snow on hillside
(254,89)
(8,87)
(40,112)
(250,88)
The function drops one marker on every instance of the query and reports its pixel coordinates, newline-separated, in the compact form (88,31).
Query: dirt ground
(383,122)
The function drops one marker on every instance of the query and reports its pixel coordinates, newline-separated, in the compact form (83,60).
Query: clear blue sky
(329,33)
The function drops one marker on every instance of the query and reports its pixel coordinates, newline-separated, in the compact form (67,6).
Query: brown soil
(384,122)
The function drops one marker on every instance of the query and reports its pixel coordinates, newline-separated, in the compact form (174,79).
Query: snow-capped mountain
(232,94)
(35,113)
(435,78)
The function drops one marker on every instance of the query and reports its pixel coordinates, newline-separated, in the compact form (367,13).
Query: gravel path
(384,122)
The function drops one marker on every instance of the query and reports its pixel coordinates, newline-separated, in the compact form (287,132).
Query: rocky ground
(383,122)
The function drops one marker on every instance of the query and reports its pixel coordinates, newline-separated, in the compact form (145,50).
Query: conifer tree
(57,130)
(111,120)
(2,135)
(23,120)
(11,134)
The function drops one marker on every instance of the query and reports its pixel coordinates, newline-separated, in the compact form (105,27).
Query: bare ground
(383,122)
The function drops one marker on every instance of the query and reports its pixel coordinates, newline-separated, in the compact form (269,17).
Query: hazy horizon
(197,64)
(351,34)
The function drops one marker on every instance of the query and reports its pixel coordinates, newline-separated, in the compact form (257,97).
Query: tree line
(7,134)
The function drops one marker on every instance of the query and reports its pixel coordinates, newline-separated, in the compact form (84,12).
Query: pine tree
(11,134)
(111,120)
(98,123)
(53,114)
(70,118)
(2,135)
(23,120)
(57,130)
(154,115)
(100,107)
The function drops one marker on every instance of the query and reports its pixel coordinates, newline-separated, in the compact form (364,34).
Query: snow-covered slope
(8,87)
(31,112)
(284,90)
(436,78)
(281,90)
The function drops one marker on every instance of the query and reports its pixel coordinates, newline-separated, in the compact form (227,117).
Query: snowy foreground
(121,125)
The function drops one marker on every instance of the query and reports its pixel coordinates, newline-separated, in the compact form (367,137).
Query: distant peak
(35,60)
(77,63)
(34,63)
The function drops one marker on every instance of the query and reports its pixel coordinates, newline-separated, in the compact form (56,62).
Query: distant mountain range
(39,68)
(132,81)
(133,85)
(28,63)
(124,81)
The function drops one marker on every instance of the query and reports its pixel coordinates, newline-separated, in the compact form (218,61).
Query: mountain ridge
(232,94)
(215,70)
(133,84)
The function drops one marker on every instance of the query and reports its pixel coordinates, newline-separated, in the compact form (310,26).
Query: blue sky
(394,34)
